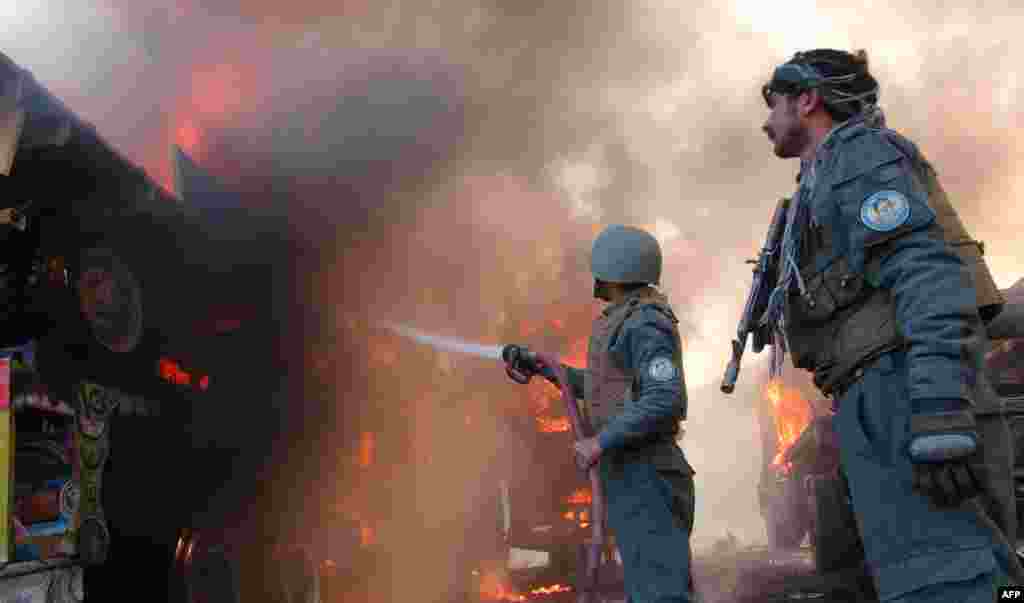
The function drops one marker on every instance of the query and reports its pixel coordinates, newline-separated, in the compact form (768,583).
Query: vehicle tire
(110,299)
(836,541)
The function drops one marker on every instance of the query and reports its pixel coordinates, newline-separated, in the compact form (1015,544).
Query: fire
(581,496)
(187,137)
(367,536)
(792,415)
(552,424)
(493,588)
(367,447)
(542,395)
(383,352)
(577,356)
(550,590)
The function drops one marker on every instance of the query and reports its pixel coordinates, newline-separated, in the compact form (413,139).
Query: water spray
(521,364)
(448,344)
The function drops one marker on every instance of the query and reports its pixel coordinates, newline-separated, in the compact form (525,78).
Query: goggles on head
(796,76)
(791,78)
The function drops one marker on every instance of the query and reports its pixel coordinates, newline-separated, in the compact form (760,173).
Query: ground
(746,575)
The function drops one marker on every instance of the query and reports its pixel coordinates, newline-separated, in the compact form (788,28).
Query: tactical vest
(846,321)
(607,386)
(971,251)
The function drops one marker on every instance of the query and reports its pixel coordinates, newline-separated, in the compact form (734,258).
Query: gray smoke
(452,159)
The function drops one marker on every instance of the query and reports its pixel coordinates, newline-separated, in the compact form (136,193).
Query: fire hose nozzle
(522,364)
(511,352)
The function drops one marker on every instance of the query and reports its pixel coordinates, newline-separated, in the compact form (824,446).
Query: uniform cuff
(936,405)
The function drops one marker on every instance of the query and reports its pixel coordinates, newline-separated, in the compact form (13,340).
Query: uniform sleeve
(896,241)
(647,346)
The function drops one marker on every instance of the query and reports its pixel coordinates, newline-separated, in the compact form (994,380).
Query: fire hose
(521,365)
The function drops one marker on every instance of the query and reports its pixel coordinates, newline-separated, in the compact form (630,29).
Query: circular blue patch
(661,369)
(885,211)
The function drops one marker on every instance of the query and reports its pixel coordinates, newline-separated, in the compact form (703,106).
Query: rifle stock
(757,298)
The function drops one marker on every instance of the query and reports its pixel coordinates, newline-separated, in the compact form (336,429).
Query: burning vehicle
(99,337)
(802,496)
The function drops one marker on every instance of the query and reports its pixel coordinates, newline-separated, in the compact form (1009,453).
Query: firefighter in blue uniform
(875,301)
(634,399)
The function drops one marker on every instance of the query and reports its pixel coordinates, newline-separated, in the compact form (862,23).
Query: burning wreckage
(69,275)
(105,355)
(802,497)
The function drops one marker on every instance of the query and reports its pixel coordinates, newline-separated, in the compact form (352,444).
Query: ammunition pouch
(841,324)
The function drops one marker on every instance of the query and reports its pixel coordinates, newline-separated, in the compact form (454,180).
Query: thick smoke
(452,162)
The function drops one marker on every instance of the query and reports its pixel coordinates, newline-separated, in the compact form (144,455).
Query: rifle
(765,265)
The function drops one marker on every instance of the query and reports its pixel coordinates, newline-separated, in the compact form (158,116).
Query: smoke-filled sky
(456,158)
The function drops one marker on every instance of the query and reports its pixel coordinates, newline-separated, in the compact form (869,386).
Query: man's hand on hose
(521,363)
(588,452)
(943,438)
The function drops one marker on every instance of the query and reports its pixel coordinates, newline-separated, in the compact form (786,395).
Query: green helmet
(623,254)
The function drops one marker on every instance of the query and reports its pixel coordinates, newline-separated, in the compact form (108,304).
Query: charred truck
(121,309)
(802,496)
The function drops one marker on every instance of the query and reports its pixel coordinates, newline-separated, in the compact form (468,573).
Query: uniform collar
(842,131)
(641,293)
(845,130)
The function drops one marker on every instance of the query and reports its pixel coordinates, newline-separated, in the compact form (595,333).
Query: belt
(644,448)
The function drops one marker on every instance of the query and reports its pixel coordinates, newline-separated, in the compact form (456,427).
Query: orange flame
(792,415)
(367,447)
(367,536)
(383,352)
(550,590)
(493,588)
(577,356)
(187,137)
(171,372)
(581,496)
(542,395)
(552,425)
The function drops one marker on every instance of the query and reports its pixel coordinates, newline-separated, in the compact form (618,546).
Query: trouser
(651,511)
(916,551)
(1001,501)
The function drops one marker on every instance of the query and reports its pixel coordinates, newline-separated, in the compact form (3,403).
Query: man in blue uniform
(875,301)
(634,398)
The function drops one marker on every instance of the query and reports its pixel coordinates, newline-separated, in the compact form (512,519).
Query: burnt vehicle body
(173,313)
(806,500)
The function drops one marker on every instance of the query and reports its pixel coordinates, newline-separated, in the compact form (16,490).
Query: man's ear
(808,102)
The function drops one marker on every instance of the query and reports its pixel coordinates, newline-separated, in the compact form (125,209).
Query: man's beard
(792,143)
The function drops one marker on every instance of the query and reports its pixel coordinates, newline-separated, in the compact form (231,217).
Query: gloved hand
(522,366)
(943,438)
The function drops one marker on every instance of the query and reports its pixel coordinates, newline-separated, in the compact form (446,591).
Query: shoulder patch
(661,369)
(885,211)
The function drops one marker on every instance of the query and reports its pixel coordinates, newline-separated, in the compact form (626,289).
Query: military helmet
(623,254)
